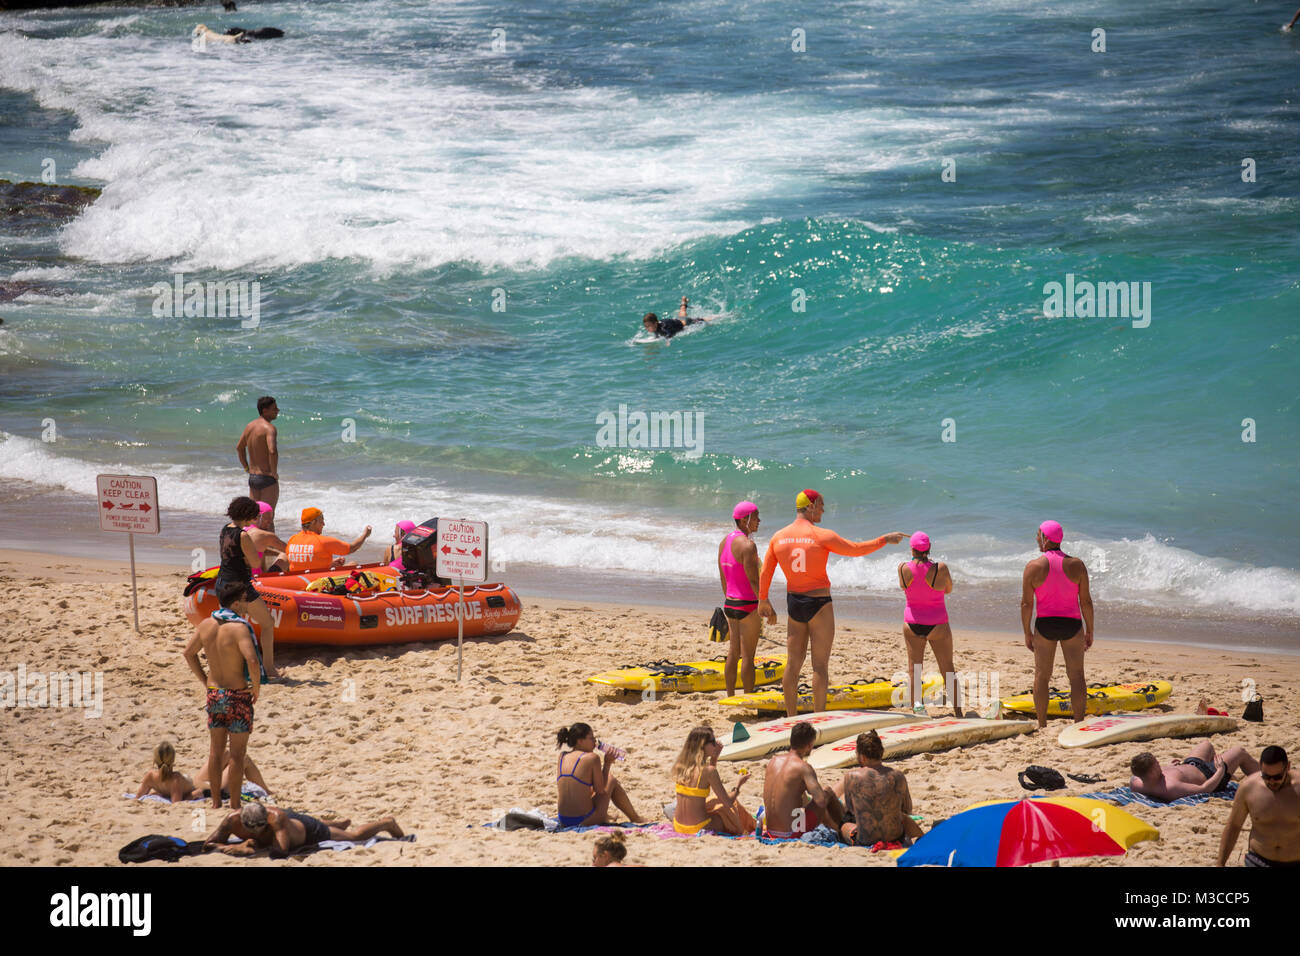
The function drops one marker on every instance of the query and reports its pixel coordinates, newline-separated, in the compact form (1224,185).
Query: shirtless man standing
(1271,798)
(236,683)
(1199,772)
(801,549)
(877,803)
(261,826)
(795,802)
(1058,584)
(260,455)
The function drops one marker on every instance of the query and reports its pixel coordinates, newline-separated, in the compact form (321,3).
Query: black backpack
(1042,778)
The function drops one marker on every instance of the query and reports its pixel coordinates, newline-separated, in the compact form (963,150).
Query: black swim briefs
(1058,628)
(802,607)
(260,482)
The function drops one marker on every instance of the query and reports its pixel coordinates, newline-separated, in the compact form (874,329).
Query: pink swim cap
(920,541)
(743,510)
(1052,531)
(406,526)
(263,507)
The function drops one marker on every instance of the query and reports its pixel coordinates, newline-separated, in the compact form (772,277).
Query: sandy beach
(367,733)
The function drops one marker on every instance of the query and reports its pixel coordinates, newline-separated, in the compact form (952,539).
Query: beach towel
(1125,795)
(310,848)
(250,791)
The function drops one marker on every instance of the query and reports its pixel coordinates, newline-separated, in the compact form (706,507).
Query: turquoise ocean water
(457,214)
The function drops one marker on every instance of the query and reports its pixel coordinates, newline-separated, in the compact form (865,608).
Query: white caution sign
(128,503)
(462,550)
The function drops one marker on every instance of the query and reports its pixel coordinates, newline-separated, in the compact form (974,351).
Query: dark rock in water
(39,204)
(229,4)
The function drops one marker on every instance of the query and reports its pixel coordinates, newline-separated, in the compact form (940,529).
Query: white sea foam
(541,531)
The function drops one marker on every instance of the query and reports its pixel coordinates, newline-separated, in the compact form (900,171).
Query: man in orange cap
(801,549)
(309,551)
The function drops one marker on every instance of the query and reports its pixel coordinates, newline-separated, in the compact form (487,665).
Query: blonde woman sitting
(695,775)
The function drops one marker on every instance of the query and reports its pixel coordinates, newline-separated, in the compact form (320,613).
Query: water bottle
(617,752)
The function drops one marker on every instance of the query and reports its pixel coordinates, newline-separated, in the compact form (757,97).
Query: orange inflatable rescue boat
(376,610)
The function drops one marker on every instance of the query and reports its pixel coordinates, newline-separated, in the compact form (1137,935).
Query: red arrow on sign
(108,504)
(446,550)
(477,553)
(144,506)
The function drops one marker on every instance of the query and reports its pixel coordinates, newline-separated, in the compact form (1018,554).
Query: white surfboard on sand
(923,736)
(769,736)
(1140,725)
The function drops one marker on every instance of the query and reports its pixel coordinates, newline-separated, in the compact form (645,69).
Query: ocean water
(456,215)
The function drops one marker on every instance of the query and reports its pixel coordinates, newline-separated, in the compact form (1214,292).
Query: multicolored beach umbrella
(1018,832)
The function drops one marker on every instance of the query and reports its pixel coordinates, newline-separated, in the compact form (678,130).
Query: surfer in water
(236,34)
(926,584)
(1058,583)
(667,328)
(801,549)
(739,568)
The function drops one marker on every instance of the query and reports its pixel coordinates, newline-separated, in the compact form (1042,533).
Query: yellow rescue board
(1101,700)
(881,693)
(689,677)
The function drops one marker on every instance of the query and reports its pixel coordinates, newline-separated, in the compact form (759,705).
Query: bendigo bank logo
(320,612)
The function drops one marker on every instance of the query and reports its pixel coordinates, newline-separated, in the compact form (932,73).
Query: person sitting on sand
(695,774)
(794,800)
(609,851)
(271,551)
(926,584)
(203,779)
(1271,799)
(1199,772)
(667,328)
(393,553)
(310,551)
(587,788)
(877,803)
(164,781)
(260,827)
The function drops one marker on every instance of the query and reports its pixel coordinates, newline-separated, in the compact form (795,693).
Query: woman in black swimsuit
(238,558)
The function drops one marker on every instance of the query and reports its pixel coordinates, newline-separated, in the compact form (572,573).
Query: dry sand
(373,732)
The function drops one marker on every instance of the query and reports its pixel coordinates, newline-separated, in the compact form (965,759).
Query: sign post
(462,555)
(128,503)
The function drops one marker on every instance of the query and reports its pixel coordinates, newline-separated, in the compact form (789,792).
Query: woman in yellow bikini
(695,774)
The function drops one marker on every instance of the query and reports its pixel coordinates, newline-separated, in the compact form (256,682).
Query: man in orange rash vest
(801,549)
